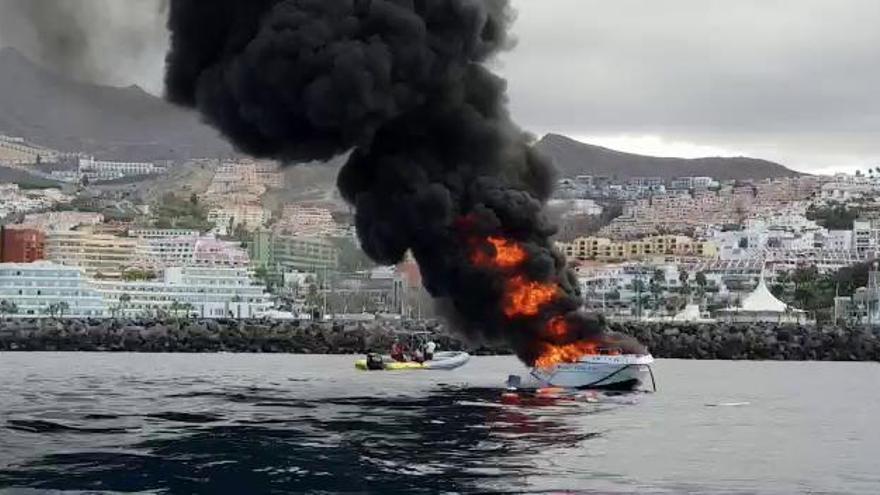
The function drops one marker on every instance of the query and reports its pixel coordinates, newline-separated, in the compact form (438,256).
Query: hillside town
(80,238)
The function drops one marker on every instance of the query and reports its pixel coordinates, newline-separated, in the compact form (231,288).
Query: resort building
(307,221)
(161,233)
(201,291)
(191,251)
(603,249)
(98,255)
(17,151)
(227,218)
(292,252)
(101,170)
(286,252)
(49,289)
(575,207)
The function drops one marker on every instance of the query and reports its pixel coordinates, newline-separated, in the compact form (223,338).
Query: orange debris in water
(525,298)
(568,353)
(508,254)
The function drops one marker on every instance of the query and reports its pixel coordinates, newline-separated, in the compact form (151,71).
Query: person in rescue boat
(430,348)
(398,352)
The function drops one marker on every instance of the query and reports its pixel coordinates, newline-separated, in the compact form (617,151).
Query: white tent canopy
(762,306)
(761,299)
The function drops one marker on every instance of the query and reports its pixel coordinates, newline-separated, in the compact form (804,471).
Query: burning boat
(606,371)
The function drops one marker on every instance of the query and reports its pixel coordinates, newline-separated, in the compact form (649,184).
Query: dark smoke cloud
(103,41)
(436,163)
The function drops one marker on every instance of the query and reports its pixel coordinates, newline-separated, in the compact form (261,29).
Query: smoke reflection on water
(453,439)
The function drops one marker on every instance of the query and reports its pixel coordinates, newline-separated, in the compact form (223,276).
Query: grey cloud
(738,73)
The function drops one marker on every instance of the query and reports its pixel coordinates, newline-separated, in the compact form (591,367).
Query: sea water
(223,423)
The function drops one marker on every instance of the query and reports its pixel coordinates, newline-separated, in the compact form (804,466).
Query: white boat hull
(448,360)
(625,372)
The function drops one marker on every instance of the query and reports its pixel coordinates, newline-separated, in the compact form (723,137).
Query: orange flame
(568,353)
(557,327)
(525,298)
(508,254)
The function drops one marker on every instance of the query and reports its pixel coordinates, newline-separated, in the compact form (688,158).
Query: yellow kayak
(361,364)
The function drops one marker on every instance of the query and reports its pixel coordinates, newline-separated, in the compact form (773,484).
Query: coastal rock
(683,341)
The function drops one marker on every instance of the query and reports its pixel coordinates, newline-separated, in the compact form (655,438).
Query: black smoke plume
(436,163)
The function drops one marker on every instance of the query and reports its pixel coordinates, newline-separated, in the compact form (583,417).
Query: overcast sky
(792,81)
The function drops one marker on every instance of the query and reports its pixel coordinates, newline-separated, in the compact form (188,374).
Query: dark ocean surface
(222,423)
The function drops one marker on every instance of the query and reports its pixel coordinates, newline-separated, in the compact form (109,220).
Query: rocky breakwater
(297,337)
(665,340)
(756,341)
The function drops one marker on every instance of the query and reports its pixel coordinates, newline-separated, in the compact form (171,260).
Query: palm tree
(702,284)
(8,308)
(683,278)
(124,299)
(187,309)
(175,308)
(63,307)
(57,309)
(657,284)
(237,299)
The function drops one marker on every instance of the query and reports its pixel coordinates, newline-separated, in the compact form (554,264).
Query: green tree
(836,216)
(237,299)
(8,308)
(63,307)
(656,286)
(684,280)
(174,212)
(124,301)
(57,309)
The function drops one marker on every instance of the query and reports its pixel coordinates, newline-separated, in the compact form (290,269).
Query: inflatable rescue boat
(449,360)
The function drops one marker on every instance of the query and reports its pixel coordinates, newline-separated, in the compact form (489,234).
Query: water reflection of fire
(525,298)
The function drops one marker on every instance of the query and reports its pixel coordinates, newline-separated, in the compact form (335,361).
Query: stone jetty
(665,340)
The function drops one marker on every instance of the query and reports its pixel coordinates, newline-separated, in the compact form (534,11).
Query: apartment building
(98,255)
(17,151)
(103,170)
(606,250)
(307,221)
(292,252)
(201,291)
(249,215)
(150,234)
(36,288)
(866,236)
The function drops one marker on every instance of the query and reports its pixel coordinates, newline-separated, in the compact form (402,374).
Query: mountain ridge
(572,158)
(118,123)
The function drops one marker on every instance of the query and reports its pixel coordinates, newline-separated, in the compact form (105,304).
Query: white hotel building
(101,170)
(34,287)
(205,292)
